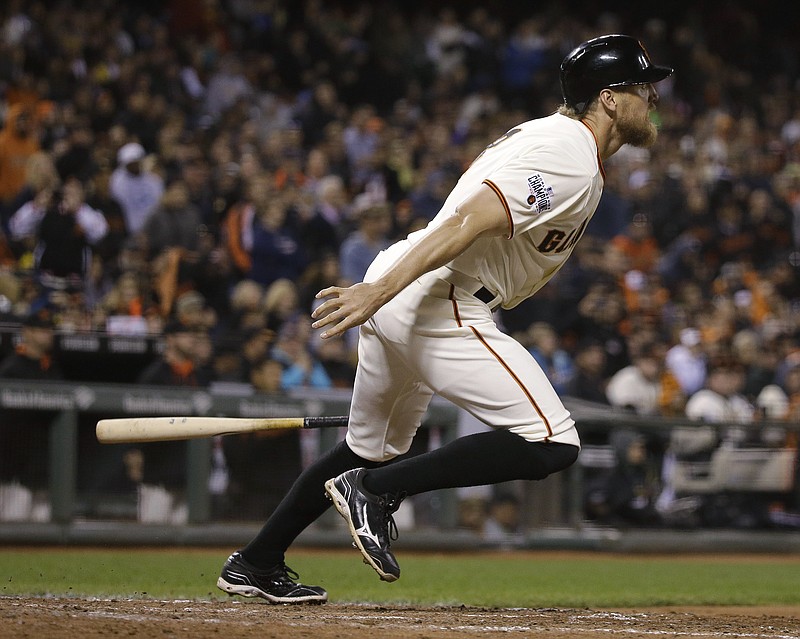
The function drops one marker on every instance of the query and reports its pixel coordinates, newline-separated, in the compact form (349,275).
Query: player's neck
(608,140)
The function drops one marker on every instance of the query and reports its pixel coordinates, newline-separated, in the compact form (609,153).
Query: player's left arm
(482,214)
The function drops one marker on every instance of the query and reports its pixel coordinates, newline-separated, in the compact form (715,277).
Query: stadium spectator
(125,306)
(638,386)
(280,304)
(268,456)
(589,382)
(137,189)
(544,344)
(246,306)
(41,177)
(174,223)
(323,231)
(185,362)
(626,496)
(64,228)
(301,368)
(721,401)
(24,434)
(19,140)
(600,315)
(370,238)
(687,362)
(98,196)
(275,250)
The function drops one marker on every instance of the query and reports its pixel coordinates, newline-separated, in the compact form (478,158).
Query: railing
(72,409)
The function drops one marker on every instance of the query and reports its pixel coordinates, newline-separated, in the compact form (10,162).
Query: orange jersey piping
(504,202)
(501,361)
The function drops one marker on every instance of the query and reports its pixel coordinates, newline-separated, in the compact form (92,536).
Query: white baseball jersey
(549,178)
(437,337)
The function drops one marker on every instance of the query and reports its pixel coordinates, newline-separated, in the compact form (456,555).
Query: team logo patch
(541,194)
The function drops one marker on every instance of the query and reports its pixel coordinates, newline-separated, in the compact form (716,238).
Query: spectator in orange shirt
(18,142)
(638,244)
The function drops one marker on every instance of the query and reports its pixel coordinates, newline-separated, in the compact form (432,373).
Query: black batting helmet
(608,61)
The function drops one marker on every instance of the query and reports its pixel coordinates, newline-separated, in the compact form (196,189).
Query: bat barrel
(152,429)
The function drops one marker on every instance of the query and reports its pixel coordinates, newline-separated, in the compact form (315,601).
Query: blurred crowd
(200,170)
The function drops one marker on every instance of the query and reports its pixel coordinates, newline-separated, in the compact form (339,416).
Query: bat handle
(325,422)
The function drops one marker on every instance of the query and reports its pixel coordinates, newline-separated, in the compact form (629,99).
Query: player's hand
(345,308)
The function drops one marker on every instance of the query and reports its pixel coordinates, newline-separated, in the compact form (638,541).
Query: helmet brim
(653,73)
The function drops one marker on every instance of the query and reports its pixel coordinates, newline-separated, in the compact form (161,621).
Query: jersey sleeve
(532,196)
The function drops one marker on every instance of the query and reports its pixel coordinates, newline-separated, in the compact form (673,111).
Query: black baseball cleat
(369,518)
(276,585)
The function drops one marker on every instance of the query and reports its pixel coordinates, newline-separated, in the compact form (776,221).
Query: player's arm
(480,215)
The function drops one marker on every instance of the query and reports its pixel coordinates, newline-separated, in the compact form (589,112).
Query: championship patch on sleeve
(541,194)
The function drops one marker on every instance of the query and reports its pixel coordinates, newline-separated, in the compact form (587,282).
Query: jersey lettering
(541,194)
(551,241)
(557,241)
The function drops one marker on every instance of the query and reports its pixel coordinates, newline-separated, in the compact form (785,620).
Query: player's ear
(608,99)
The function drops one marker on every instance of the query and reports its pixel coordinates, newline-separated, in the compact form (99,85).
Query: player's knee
(548,458)
(566,456)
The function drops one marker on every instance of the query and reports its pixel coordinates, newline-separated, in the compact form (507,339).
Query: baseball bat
(128,430)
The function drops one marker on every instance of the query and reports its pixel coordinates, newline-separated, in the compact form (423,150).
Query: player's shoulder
(556,132)
(555,123)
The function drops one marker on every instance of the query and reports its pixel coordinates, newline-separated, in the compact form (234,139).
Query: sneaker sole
(340,503)
(252,591)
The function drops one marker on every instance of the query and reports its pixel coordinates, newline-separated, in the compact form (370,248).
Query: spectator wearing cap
(269,458)
(33,356)
(137,189)
(24,433)
(183,361)
(627,495)
(191,310)
(721,400)
(687,362)
(638,386)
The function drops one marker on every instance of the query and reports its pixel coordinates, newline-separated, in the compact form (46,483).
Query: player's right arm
(483,214)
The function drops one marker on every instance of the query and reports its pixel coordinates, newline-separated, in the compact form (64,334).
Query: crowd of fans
(201,170)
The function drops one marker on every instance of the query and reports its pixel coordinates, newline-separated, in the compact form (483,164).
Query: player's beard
(635,130)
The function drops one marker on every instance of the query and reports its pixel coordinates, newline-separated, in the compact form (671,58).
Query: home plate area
(65,618)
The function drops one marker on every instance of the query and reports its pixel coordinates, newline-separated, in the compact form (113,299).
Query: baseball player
(426,325)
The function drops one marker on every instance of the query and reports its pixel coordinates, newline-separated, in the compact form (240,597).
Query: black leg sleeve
(303,504)
(475,460)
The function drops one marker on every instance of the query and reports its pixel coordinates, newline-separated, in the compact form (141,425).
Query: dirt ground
(66,618)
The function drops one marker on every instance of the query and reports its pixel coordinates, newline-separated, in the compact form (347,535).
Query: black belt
(485,295)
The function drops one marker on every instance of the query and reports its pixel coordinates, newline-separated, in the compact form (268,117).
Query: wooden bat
(158,429)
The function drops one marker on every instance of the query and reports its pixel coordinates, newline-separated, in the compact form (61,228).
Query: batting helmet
(607,61)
